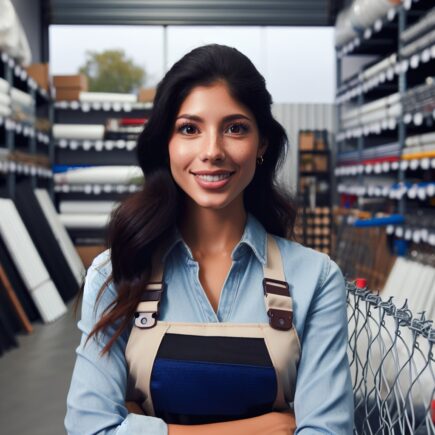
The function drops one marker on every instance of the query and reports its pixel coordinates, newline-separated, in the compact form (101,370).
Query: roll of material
(4,86)
(106,97)
(5,99)
(422,26)
(379,67)
(422,139)
(419,44)
(344,31)
(360,15)
(21,98)
(85,221)
(45,241)
(87,207)
(100,175)
(61,235)
(23,252)
(5,111)
(78,131)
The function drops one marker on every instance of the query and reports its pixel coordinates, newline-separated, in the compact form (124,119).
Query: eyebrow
(225,119)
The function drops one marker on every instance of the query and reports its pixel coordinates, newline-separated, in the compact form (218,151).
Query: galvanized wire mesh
(392,364)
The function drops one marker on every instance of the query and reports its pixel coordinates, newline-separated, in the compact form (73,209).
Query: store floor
(35,377)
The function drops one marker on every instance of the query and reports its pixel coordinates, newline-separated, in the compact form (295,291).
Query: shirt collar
(254,237)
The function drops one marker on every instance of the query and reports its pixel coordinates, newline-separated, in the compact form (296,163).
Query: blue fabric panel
(204,388)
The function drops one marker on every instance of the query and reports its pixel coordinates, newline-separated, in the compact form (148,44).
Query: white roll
(5,111)
(87,207)
(84,221)
(21,98)
(78,131)
(100,175)
(5,99)
(4,86)
(103,97)
(344,32)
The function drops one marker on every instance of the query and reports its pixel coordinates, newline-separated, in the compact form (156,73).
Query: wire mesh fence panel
(392,365)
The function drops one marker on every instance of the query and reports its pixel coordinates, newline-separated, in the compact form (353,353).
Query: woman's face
(213,147)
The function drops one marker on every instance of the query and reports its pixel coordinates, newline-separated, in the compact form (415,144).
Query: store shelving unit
(26,149)
(94,152)
(314,188)
(385,115)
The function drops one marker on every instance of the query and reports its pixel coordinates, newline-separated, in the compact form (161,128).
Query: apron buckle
(145,320)
(280,319)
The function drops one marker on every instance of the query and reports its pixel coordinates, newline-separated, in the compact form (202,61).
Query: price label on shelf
(425,55)
(414,164)
(418,119)
(425,163)
(386,166)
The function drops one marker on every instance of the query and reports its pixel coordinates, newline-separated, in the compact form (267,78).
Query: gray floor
(34,379)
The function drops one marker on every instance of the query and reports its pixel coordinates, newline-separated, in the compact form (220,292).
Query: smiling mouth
(213,177)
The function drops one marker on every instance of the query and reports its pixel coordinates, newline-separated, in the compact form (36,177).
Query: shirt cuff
(135,424)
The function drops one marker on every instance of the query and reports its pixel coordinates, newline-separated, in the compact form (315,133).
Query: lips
(212,179)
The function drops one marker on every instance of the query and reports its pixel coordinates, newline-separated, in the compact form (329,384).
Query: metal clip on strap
(148,309)
(279,304)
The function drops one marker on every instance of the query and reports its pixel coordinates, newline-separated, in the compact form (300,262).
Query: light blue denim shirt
(323,400)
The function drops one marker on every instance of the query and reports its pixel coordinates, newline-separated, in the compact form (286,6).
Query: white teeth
(214,177)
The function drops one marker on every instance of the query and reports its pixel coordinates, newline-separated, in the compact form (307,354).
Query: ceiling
(192,12)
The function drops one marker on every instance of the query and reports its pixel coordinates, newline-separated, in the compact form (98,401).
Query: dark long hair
(146,219)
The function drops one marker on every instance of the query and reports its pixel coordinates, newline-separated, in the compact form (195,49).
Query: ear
(262,147)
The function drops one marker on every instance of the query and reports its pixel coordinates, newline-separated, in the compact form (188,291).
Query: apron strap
(147,311)
(277,297)
(279,304)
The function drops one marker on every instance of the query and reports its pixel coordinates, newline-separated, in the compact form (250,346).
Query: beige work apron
(279,335)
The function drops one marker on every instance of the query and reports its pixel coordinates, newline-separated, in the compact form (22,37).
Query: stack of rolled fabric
(22,107)
(419,36)
(5,99)
(359,16)
(420,99)
(420,147)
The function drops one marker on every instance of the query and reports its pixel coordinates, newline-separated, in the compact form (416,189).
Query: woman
(202,314)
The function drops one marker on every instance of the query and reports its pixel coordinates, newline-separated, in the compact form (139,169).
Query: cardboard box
(320,163)
(306,140)
(67,94)
(88,253)
(146,95)
(39,72)
(78,81)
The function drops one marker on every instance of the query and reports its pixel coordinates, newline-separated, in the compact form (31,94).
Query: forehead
(211,99)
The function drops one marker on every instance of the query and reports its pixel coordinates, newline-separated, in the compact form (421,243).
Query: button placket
(206,308)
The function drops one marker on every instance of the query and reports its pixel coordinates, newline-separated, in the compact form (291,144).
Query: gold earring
(260,160)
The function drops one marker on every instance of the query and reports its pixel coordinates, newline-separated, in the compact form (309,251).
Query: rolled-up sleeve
(323,399)
(96,398)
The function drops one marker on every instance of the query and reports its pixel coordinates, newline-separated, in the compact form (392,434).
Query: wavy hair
(146,219)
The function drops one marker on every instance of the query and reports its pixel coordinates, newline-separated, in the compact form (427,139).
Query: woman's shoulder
(102,264)
(305,264)
(98,276)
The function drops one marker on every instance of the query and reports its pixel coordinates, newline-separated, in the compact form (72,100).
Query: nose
(213,148)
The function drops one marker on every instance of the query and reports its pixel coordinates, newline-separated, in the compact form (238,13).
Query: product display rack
(385,116)
(94,152)
(314,188)
(26,150)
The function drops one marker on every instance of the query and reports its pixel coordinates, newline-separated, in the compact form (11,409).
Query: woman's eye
(187,129)
(238,128)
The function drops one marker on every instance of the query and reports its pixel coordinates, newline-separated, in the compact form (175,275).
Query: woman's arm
(324,400)
(273,423)
(96,398)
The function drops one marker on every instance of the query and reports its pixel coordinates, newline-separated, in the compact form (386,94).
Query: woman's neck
(210,231)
